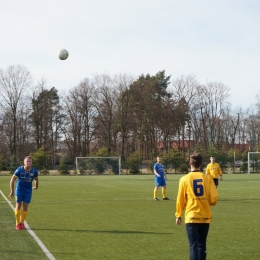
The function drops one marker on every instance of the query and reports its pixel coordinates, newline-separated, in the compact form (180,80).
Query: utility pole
(211,140)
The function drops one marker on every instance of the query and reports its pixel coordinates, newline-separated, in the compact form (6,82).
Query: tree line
(121,115)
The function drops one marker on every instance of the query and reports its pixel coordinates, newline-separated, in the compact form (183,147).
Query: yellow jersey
(197,192)
(213,169)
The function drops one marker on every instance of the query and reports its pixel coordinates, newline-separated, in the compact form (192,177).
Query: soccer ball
(63,54)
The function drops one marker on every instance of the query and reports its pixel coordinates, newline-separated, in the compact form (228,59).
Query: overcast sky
(213,40)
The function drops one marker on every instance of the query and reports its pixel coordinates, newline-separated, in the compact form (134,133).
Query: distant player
(196,194)
(213,169)
(160,179)
(23,193)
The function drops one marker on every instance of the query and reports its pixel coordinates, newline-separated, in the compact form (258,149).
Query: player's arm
(180,203)
(178,220)
(213,193)
(13,179)
(36,182)
(207,170)
(155,171)
(220,173)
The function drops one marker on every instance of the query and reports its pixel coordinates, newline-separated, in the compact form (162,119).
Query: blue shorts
(160,182)
(23,198)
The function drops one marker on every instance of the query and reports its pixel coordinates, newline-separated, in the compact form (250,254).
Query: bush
(45,171)
(63,168)
(133,162)
(40,160)
(184,167)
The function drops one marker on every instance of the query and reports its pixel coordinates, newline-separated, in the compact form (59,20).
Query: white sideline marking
(39,242)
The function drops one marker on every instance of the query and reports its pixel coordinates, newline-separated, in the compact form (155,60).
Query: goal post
(248,160)
(98,165)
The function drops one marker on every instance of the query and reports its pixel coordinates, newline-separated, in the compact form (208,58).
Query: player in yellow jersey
(213,169)
(196,194)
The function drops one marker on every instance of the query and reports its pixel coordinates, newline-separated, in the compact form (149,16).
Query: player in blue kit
(23,192)
(160,179)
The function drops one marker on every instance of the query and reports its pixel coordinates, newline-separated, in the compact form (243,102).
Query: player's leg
(27,200)
(192,233)
(155,192)
(17,212)
(203,233)
(216,182)
(24,214)
(164,190)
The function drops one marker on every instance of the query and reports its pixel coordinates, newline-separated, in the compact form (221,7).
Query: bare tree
(14,84)
(123,114)
(184,88)
(185,91)
(79,128)
(211,105)
(104,100)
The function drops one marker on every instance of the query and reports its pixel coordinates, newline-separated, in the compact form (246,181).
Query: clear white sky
(214,40)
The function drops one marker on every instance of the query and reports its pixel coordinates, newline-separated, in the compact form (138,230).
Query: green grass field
(115,217)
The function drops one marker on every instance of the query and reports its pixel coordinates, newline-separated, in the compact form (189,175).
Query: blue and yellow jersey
(197,192)
(214,170)
(159,168)
(25,179)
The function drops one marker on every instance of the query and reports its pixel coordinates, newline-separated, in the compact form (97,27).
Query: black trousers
(197,235)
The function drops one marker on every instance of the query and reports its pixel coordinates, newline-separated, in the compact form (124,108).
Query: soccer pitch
(115,217)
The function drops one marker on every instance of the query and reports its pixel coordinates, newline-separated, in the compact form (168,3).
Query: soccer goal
(253,162)
(98,165)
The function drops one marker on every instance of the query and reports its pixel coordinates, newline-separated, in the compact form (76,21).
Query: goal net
(98,165)
(253,162)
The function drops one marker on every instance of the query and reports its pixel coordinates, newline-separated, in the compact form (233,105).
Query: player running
(213,169)
(23,193)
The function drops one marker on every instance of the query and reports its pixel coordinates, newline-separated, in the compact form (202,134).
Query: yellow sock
(17,216)
(23,217)
(155,193)
(164,192)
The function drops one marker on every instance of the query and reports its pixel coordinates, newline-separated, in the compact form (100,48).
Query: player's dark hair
(196,160)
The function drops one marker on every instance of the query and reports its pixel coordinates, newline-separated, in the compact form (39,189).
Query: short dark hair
(196,160)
